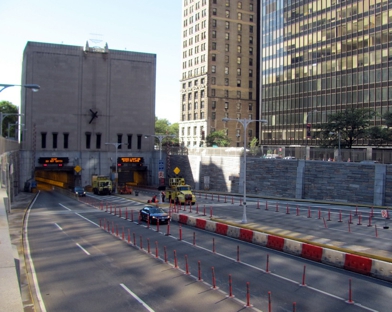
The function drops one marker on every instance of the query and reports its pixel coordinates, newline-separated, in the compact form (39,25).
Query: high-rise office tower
(321,57)
(219,69)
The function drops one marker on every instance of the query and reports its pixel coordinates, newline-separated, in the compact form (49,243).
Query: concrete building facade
(219,69)
(89,96)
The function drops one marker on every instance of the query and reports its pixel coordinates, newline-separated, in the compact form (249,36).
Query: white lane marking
(33,273)
(136,297)
(65,207)
(83,249)
(60,228)
(87,219)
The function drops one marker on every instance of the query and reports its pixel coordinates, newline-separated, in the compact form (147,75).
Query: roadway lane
(327,287)
(80,267)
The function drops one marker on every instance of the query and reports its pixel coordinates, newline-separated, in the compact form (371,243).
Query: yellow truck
(179,192)
(102,185)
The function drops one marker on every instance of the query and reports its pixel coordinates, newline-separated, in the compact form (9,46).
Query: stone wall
(314,180)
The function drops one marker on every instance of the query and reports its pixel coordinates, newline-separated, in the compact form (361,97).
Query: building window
(238,71)
(250,18)
(239,5)
(250,106)
(239,49)
(43,139)
(98,141)
(88,140)
(213,115)
(195,105)
(239,38)
(250,95)
(54,137)
(250,84)
(226,70)
(129,141)
(139,141)
(202,115)
(214,46)
(119,140)
(65,140)
(239,16)
(227,3)
(251,7)
(214,34)
(213,69)
(250,29)
(213,80)
(226,105)
(212,92)
(214,23)
(238,94)
(227,47)
(189,116)
(249,132)
(226,81)
(250,40)
(250,62)
(227,14)
(227,36)
(202,104)
(250,51)
(195,116)
(227,25)
(226,93)
(250,73)
(238,82)
(213,57)
(250,116)
(214,11)
(227,59)
(239,60)
(213,104)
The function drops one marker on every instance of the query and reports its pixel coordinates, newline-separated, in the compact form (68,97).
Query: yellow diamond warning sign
(78,169)
(176,170)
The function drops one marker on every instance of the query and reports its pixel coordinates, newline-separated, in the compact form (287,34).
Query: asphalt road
(82,266)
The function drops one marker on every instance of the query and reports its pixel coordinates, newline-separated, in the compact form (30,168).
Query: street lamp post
(116,145)
(245,123)
(33,87)
(160,137)
(307,137)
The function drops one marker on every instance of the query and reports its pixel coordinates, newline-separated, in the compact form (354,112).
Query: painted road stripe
(83,249)
(136,297)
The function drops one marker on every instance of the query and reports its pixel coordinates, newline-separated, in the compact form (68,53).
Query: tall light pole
(245,123)
(160,137)
(308,126)
(33,87)
(116,145)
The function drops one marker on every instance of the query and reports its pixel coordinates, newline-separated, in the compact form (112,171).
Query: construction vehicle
(102,185)
(179,192)
(126,189)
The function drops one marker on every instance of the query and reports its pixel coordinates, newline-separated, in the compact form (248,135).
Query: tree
(218,138)
(350,125)
(163,126)
(380,135)
(9,108)
(253,146)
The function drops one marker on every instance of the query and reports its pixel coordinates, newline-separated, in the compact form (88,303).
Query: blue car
(153,214)
(79,191)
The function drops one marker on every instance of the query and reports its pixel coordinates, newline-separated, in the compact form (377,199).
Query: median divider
(352,262)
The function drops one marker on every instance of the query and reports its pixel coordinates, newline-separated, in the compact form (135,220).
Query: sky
(149,26)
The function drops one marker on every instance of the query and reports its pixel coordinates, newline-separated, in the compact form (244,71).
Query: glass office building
(320,57)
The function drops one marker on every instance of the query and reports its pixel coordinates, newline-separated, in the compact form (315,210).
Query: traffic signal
(308,127)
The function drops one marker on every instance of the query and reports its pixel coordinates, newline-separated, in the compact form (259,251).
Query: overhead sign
(53,160)
(134,160)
